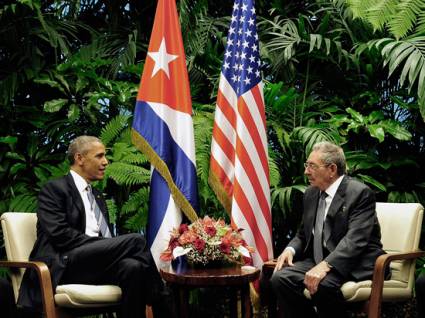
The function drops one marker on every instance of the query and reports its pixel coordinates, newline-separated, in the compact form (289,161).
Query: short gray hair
(331,153)
(81,145)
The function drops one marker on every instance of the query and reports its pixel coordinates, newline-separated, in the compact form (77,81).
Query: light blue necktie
(103,226)
(318,229)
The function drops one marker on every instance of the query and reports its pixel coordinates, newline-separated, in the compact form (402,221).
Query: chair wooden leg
(149,312)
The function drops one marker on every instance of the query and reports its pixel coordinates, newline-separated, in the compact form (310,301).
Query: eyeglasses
(313,166)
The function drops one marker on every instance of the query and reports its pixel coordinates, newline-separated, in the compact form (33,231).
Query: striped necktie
(318,229)
(103,226)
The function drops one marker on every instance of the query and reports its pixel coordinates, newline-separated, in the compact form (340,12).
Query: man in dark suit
(339,239)
(74,239)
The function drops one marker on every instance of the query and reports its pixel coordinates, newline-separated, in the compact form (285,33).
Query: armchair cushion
(77,295)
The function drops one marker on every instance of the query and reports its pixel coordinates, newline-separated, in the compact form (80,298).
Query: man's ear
(78,158)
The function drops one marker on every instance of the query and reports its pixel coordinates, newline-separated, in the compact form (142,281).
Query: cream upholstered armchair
(19,232)
(401,225)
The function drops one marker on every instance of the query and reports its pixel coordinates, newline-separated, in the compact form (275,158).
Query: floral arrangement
(208,240)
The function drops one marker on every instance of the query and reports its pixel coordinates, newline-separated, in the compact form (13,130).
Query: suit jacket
(61,227)
(352,234)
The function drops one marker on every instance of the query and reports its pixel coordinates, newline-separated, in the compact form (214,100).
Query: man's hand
(315,275)
(285,259)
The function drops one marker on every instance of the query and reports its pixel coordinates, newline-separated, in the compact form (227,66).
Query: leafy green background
(352,72)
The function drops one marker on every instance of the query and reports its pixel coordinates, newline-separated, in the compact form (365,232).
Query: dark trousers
(7,299)
(288,285)
(420,295)
(124,261)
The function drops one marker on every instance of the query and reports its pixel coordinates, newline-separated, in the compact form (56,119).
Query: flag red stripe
(255,136)
(222,176)
(249,214)
(256,92)
(251,172)
(226,108)
(224,143)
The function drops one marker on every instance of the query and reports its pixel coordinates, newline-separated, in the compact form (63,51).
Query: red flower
(247,260)
(199,244)
(183,228)
(210,230)
(225,246)
(174,242)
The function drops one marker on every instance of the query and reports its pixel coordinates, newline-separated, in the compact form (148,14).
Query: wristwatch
(329,265)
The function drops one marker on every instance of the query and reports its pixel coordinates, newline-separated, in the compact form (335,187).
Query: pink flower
(187,237)
(210,230)
(183,228)
(199,244)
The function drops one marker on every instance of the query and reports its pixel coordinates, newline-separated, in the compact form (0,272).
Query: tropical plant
(404,53)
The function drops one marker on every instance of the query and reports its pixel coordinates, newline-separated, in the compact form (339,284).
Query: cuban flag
(163,130)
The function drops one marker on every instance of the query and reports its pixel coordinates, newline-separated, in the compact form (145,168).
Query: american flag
(239,172)
(163,129)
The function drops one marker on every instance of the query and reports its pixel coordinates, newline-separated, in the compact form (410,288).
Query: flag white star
(162,59)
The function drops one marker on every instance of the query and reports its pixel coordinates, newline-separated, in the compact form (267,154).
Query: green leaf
(356,115)
(55,105)
(372,181)
(16,156)
(377,132)
(9,140)
(73,112)
(17,167)
(396,130)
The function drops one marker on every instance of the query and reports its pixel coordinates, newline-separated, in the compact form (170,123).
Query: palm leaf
(312,135)
(409,56)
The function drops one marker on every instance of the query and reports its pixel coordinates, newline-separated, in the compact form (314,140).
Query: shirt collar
(331,190)
(79,181)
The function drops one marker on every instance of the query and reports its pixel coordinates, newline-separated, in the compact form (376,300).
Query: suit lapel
(76,199)
(337,202)
(310,212)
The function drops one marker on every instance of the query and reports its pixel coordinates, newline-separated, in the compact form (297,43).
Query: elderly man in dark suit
(339,239)
(74,239)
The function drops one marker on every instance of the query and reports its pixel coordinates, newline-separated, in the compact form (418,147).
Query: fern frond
(135,158)
(113,129)
(406,15)
(112,211)
(381,12)
(127,174)
(274,172)
(136,201)
(360,7)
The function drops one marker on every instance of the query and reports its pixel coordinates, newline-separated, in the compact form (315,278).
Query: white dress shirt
(92,228)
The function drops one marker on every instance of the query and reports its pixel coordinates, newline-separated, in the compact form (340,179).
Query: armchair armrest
(268,267)
(43,274)
(378,279)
